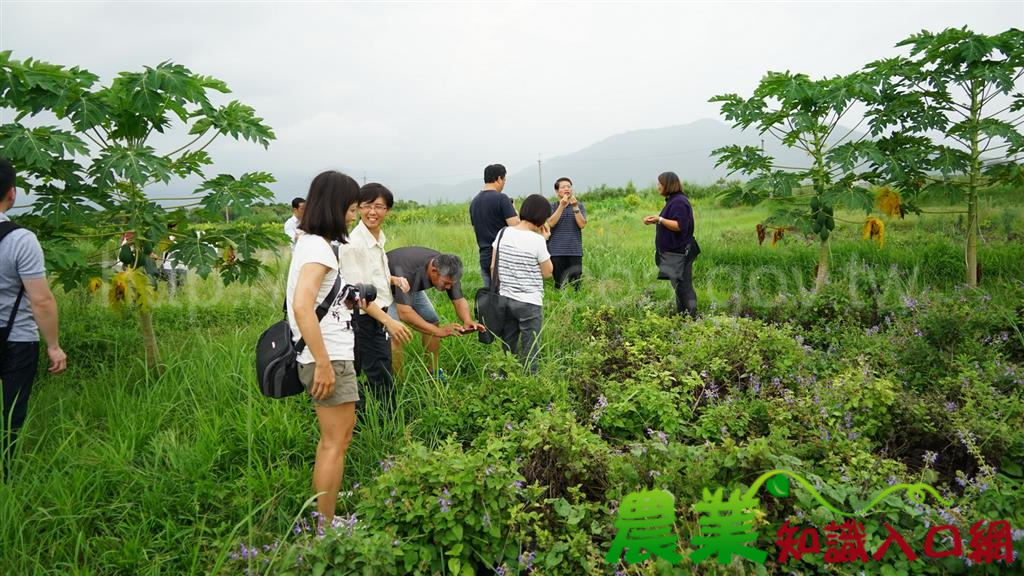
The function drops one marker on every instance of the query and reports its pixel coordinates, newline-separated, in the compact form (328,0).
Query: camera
(353,293)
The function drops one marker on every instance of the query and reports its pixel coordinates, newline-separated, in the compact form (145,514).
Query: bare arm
(44,309)
(557,214)
(547,268)
(670,224)
(396,329)
(512,221)
(462,311)
(580,220)
(311,276)
(409,315)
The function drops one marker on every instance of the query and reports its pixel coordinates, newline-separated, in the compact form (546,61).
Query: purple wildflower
(527,559)
(930,457)
(386,464)
(711,392)
(444,501)
(950,406)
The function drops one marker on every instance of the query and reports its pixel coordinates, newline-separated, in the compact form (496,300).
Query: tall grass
(123,471)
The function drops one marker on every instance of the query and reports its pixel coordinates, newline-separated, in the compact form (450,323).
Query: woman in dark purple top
(674,244)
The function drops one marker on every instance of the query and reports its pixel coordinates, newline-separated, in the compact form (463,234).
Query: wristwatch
(576,210)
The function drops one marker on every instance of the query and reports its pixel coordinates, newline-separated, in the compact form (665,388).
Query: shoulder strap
(324,306)
(495,278)
(5,229)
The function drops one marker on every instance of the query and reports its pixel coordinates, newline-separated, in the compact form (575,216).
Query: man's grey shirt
(21,258)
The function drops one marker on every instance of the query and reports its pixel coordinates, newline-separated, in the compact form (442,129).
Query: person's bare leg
(397,357)
(336,425)
(432,344)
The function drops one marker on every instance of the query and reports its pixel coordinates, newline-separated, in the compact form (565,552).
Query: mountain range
(637,156)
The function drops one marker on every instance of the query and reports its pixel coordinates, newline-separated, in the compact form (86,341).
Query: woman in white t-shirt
(521,262)
(326,366)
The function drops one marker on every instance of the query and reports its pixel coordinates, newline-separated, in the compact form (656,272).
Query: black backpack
(277,365)
(5,331)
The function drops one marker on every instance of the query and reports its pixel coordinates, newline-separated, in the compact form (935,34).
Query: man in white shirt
(365,260)
(291,225)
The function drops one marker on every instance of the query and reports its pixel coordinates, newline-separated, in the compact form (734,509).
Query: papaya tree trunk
(971,250)
(149,339)
(822,276)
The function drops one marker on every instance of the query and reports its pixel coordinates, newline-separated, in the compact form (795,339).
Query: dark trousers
(373,359)
(678,268)
(520,332)
(567,269)
(18,365)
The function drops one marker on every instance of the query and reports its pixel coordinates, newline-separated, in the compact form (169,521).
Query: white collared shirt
(364,259)
(291,228)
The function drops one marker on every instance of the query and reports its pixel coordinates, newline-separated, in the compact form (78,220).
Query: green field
(124,471)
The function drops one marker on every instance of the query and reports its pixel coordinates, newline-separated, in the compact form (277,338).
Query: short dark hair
(372,191)
(7,177)
(670,182)
(296,202)
(535,209)
(560,180)
(330,195)
(493,172)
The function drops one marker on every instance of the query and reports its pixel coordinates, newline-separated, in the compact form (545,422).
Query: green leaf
(778,485)
(236,194)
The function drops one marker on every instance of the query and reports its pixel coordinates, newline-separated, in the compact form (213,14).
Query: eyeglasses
(377,207)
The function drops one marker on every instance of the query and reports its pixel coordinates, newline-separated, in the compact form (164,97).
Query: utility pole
(364,177)
(540,179)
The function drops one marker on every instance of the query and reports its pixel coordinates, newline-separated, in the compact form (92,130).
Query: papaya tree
(948,119)
(804,115)
(87,157)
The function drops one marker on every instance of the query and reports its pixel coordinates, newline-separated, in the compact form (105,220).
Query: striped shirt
(519,257)
(566,237)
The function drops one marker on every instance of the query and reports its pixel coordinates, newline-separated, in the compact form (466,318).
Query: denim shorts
(422,305)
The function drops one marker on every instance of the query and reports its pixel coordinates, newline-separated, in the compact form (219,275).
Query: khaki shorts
(345,388)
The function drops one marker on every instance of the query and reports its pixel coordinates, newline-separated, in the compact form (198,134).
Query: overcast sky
(418,93)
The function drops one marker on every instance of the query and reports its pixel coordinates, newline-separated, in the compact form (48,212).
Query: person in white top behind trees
(291,225)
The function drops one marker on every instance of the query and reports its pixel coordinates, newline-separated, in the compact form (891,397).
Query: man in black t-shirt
(424,268)
(489,212)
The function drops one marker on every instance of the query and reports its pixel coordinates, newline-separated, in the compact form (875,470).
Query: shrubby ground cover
(892,373)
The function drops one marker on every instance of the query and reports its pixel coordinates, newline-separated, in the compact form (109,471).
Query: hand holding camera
(355,295)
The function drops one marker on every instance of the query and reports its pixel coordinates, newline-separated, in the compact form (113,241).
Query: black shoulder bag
(489,303)
(277,364)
